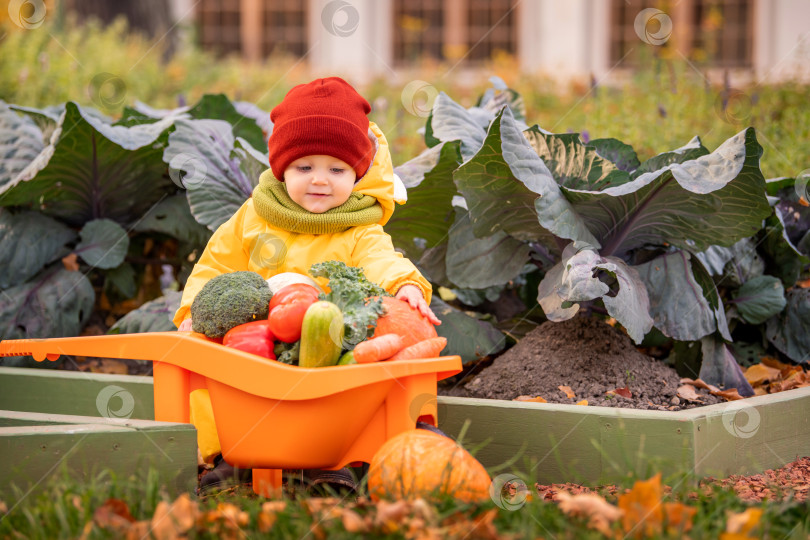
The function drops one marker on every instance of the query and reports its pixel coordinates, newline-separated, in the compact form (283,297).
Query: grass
(65,507)
(660,108)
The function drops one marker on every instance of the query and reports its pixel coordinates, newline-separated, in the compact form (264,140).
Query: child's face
(319,183)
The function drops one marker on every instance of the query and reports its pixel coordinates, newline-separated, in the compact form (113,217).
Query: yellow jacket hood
(378,181)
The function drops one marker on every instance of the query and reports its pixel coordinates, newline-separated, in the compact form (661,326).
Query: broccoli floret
(229,300)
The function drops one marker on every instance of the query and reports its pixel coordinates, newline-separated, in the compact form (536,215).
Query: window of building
(256,28)
(492,28)
(285,27)
(715,32)
(418,27)
(454,30)
(219,25)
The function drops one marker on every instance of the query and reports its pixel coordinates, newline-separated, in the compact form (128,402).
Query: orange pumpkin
(422,464)
(401,319)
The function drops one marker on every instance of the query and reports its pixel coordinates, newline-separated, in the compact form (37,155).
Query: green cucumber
(321,335)
(347,359)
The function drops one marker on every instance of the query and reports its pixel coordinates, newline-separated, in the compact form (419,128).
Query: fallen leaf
(390,515)
(268,514)
(759,374)
(88,528)
(113,515)
(803,201)
(481,527)
(803,284)
(729,395)
(174,520)
(688,392)
(597,510)
(538,399)
(352,522)
(770,361)
(679,516)
(70,263)
(583,402)
(742,524)
(699,383)
(624,392)
(567,391)
(225,521)
(642,511)
(139,530)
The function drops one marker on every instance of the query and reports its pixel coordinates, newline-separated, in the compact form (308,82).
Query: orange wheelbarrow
(271,416)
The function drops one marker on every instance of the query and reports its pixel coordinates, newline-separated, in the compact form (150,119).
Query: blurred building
(764,40)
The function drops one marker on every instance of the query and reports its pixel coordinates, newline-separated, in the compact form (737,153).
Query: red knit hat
(323,117)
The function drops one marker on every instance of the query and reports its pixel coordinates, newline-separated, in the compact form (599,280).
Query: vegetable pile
(288,318)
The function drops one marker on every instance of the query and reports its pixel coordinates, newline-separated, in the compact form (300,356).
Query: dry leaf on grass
(688,392)
(113,515)
(268,514)
(174,520)
(481,527)
(679,516)
(644,514)
(225,521)
(390,515)
(600,513)
(742,526)
(567,391)
(353,523)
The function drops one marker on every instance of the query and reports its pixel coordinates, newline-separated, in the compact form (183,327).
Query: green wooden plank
(32,455)
(17,418)
(644,446)
(79,393)
(553,443)
(567,443)
(755,434)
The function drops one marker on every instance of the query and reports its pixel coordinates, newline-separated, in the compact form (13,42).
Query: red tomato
(291,293)
(254,337)
(287,309)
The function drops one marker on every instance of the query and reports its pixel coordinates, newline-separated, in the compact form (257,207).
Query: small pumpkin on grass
(422,464)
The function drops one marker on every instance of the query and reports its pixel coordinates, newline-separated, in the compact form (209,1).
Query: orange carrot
(428,348)
(377,348)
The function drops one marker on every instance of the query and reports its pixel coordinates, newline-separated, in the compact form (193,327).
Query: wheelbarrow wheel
(321,482)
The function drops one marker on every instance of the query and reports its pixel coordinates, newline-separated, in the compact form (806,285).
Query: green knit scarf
(274,205)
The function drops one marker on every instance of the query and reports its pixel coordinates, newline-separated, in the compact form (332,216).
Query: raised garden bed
(551,442)
(50,420)
(554,443)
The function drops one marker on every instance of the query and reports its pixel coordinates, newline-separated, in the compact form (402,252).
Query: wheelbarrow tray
(271,415)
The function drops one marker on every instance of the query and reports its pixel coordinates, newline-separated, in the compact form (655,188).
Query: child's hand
(413,295)
(185,326)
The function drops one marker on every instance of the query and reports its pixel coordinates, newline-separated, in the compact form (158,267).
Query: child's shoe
(224,475)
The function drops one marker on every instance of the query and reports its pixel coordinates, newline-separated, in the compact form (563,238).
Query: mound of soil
(589,356)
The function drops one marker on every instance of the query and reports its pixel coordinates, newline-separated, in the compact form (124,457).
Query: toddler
(326,196)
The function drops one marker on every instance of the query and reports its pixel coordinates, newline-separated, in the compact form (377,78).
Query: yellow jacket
(247,242)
